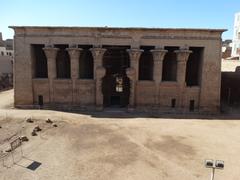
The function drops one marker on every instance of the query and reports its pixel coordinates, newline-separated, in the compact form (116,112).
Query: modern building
(226,49)
(6,63)
(6,47)
(236,36)
(151,69)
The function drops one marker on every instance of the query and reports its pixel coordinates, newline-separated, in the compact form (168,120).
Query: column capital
(158,54)
(98,52)
(74,53)
(182,54)
(50,52)
(182,58)
(135,53)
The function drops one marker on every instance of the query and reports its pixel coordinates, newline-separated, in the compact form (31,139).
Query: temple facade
(150,69)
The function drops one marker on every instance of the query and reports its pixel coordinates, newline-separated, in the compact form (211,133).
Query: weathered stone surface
(86,93)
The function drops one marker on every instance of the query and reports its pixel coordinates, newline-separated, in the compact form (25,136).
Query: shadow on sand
(122,113)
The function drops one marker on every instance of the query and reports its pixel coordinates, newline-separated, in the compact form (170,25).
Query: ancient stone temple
(157,69)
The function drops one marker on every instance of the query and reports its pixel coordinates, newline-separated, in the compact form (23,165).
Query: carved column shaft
(74,54)
(158,56)
(132,73)
(99,72)
(51,54)
(134,55)
(97,54)
(182,57)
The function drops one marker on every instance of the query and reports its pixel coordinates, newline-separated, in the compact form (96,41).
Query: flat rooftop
(118,28)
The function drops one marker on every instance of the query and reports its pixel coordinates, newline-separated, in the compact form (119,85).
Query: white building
(236,36)
(6,63)
(6,52)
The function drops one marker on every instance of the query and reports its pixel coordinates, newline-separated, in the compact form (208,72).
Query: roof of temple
(116,28)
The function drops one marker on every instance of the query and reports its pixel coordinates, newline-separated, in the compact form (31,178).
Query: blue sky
(119,13)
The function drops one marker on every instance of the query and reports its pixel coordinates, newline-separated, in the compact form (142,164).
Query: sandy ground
(94,146)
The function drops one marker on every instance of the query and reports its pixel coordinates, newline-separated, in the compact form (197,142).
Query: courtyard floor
(105,146)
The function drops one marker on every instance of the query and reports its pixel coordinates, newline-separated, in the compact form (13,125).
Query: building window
(2,53)
(85,62)
(146,64)
(169,71)
(63,62)
(39,61)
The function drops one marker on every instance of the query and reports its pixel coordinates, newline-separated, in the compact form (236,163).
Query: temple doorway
(116,86)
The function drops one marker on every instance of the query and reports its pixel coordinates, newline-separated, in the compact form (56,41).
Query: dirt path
(6,99)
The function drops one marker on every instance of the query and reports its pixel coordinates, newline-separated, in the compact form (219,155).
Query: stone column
(132,73)
(158,56)
(51,54)
(97,54)
(134,55)
(99,72)
(182,58)
(74,54)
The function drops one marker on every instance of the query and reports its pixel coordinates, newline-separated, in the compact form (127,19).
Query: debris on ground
(29,120)
(34,133)
(54,125)
(24,138)
(8,150)
(49,121)
(37,129)
(0,127)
